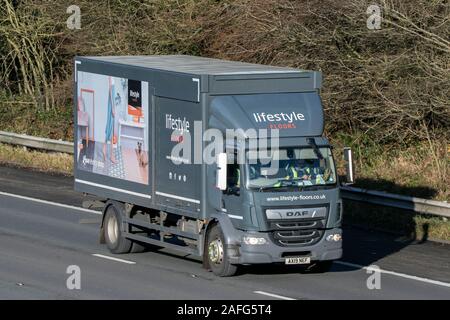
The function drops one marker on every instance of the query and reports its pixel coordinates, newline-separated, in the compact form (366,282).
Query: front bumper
(241,253)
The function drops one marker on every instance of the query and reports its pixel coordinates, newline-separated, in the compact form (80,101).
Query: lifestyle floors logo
(279,120)
(278,117)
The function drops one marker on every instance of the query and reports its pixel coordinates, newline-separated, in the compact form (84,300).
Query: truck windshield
(295,167)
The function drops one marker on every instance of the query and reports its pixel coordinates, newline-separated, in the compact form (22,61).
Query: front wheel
(217,254)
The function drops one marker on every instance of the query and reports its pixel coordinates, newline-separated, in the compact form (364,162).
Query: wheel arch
(231,234)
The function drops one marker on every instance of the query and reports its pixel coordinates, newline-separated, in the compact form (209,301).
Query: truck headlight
(336,237)
(250,240)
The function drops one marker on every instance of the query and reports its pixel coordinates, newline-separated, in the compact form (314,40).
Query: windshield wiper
(292,181)
(319,186)
(316,149)
(282,184)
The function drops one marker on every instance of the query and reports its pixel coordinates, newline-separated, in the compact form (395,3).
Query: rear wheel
(114,238)
(217,254)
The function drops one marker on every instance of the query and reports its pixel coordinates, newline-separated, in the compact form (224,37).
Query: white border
(176,197)
(198,88)
(114,189)
(76,70)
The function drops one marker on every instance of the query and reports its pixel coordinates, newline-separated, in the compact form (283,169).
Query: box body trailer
(131,112)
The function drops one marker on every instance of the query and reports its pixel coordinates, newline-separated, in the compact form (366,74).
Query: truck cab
(283,203)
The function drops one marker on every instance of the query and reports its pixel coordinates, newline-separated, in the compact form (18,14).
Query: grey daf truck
(131,113)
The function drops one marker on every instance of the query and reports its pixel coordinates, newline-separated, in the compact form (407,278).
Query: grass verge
(53,162)
(409,224)
(17,115)
(420,170)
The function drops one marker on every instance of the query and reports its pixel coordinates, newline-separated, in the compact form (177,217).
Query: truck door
(232,199)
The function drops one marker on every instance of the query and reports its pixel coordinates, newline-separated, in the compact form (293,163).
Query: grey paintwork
(170,178)
(251,111)
(222,95)
(328,198)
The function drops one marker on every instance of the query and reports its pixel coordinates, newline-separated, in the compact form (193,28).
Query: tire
(217,255)
(114,238)
(320,266)
(137,247)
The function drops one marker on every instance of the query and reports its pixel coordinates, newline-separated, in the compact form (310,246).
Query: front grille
(299,232)
(297,237)
(289,225)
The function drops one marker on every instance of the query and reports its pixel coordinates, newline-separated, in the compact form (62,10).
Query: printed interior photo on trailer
(113,126)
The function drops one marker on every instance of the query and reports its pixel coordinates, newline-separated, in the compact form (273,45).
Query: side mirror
(221,173)
(350,174)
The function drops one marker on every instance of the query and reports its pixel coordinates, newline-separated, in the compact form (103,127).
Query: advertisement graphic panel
(112,127)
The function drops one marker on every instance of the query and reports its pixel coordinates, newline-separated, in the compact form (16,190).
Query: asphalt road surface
(43,232)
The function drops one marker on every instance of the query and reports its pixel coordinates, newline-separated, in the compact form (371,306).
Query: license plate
(298,260)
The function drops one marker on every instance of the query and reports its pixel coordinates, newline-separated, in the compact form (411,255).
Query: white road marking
(402,275)
(112,258)
(50,203)
(273,295)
